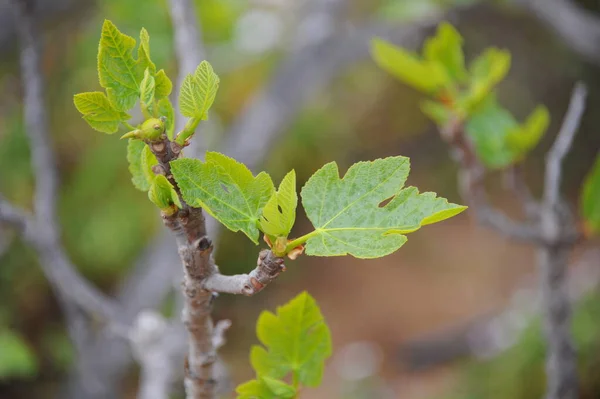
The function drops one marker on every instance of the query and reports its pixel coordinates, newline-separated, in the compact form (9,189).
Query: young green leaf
(144,52)
(486,71)
(141,161)
(163,84)
(527,136)
(422,75)
(226,189)
(279,213)
(489,128)
(445,48)
(163,194)
(165,108)
(297,341)
(119,73)
(265,388)
(198,92)
(147,88)
(352,215)
(98,112)
(590,198)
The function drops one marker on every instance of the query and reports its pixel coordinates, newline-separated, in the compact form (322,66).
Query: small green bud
(150,130)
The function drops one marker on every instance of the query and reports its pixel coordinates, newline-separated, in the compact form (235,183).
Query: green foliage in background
(296,341)
(465,94)
(16,358)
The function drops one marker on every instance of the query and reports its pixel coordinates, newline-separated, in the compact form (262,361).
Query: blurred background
(451,315)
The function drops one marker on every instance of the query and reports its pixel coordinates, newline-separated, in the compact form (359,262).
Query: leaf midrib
(123,58)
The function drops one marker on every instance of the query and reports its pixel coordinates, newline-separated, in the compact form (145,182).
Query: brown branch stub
(268,267)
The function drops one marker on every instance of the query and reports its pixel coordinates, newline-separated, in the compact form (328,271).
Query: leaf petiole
(188,131)
(300,240)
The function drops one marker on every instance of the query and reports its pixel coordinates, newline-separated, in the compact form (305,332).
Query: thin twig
(13,216)
(515,182)
(471,174)
(555,223)
(562,145)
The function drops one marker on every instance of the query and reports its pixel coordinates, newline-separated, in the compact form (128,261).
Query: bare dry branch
(555,223)
(43,232)
(13,216)
(562,145)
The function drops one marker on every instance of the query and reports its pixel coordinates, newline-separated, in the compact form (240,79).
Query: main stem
(189,227)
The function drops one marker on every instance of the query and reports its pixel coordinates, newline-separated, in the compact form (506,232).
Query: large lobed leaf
(297,341)
(590,198)
(98,111)
(226,189)
(350,215)
(279,213)
(198,92)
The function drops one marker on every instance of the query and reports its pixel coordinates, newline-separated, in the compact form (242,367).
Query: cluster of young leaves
(465,94)
(128,80)
(365,214)
(296,341)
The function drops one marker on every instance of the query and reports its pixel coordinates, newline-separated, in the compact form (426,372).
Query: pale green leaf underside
(350,216)
(297,340)
(98,111)
(141,161)
(198,92)
(279,213)
(590,198)
(147,90)
(162,193)
(226,189)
